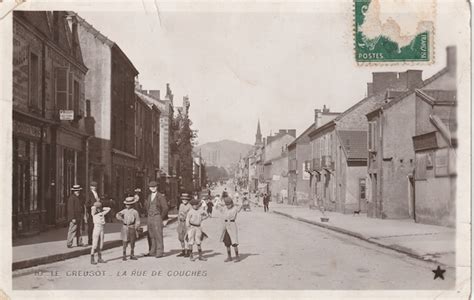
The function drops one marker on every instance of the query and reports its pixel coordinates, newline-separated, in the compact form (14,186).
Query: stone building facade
(50,153)
(393,179)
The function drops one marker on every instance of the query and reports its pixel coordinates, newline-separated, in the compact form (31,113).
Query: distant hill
(223,153)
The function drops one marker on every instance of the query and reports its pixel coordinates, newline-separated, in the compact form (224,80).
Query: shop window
(25,176)
(34,81)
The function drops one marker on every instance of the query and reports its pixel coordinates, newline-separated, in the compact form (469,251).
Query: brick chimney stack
(154,93)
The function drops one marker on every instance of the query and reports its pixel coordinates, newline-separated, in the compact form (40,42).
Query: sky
(243,63)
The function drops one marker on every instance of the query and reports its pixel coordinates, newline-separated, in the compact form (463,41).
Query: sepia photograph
(236,149)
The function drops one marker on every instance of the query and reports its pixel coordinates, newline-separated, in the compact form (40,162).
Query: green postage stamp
(390,32)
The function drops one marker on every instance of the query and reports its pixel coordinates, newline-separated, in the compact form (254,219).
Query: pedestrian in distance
(209,207)
(195,235)
(98,217)
(184,208)
(75,213)
(266,200)
(157,210)
(229,233)
(131,222)
(92,198)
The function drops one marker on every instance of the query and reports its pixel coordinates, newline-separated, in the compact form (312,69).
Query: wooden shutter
(420,168)
(61,88)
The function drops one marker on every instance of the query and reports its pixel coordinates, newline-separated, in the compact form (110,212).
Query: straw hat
(76,187)
(130,200)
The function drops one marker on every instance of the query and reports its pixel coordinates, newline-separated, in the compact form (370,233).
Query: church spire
(258,136)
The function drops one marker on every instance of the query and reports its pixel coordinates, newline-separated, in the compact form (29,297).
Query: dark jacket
(160,202)
(74,208)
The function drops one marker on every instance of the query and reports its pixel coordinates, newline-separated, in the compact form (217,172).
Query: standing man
(157,209)
(75,213)
(93,197)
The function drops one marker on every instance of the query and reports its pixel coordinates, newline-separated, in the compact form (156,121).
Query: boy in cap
(131,222)
(182,229)
(98,217)
(193,223)
(92,198)
(229,233)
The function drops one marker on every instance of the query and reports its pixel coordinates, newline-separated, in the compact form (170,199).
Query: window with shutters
(34,81)
(75,97)
(372,140)
(61,81)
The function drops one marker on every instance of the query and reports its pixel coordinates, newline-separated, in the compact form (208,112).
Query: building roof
(354,143)
(442,96)
(309,129)
(345,113)
(97,34)
(161,105)
(67,40)
(408,93)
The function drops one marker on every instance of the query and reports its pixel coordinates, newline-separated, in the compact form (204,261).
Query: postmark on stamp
(393,31)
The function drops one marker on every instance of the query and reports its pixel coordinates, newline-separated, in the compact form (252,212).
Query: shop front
(28,207)
(71,168)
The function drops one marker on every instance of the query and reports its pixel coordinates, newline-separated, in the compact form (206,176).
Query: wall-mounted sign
(66,115)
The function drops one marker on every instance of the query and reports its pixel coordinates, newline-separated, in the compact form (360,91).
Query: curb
(79,252)
(394,247)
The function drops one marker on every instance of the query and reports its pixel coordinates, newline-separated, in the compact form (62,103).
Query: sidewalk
(50,246)
(425,242)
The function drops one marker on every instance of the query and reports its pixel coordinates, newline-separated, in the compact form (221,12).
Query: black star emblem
(439,273)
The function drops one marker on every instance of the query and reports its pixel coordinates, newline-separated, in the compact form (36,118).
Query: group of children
(129,233)
(191,214)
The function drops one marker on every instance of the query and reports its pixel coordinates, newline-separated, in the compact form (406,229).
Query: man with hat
(157,210)
(182,229)
(75,212)
(92,198)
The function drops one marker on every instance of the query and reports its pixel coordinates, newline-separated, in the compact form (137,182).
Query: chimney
(383,80)
(414,79)
(370,89)
(155,94)
(451,59)
(281,131)
(317,115)
(325,110)
(292,132)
